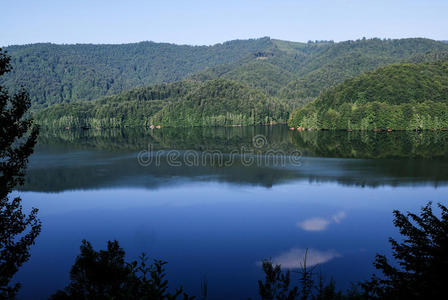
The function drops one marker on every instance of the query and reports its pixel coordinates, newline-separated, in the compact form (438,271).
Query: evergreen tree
(105,274)
(421,259)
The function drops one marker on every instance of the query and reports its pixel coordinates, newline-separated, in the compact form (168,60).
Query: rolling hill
(298,71)
(223,102)
(132,108)
(217,102)
(402,96)
(150,83)
(64,73)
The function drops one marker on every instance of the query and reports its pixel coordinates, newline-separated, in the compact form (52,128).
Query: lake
(215,202)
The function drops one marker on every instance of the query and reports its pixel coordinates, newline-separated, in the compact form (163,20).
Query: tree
(105,274)
(18,231)
(422,259)
(277,284)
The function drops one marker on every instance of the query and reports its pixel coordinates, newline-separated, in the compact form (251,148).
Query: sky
(206,22)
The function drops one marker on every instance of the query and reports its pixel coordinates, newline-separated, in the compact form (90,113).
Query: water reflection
(319,223)
(218,230)
(293,258)
(70,160)
(218,221)
(397,144)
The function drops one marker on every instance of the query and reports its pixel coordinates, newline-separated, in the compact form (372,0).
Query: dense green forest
(182,104)
(298,71)
(63,73)
(404,96)
(148,83)
(351,58)
(223,103)
(133,108)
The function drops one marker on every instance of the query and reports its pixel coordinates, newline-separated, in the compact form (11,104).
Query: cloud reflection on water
(293,258)
(319,223)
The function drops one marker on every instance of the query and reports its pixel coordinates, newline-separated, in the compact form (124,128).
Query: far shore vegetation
(367,84)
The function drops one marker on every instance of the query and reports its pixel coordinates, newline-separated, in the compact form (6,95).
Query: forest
(132,108)
(396,97)
(147,83)
(222,102)
(54,73)
(217,102)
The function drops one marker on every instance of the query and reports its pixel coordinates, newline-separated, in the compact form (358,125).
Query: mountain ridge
(54,73)
(394,97)
(121,85)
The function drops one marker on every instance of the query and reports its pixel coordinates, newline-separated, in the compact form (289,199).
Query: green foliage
(64,73)
(292,72)
(430,56)
(133,108)
(182,104)
(405,96)
(297,71)
(267,70)
(261,74)
(300,71)
(223,103)
(344,60)
(105,274)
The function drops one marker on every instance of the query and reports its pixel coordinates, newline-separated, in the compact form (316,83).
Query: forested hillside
(223,103)
(300,71)
(269,70)
(239,82)
(64,73)
(181,104)
(403,96)
(296,71)
(133,108)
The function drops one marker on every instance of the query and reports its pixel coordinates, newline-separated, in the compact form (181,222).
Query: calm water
(333,193)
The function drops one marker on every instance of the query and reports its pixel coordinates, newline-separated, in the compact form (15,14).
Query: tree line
(182,104)
(55,74)
(399,97)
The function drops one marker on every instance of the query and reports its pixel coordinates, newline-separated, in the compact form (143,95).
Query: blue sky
(209,22)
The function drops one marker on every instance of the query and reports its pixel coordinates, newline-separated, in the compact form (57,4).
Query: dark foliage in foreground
(278,285)
(422,259)
(418,273)
(105,274)
(18,230)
